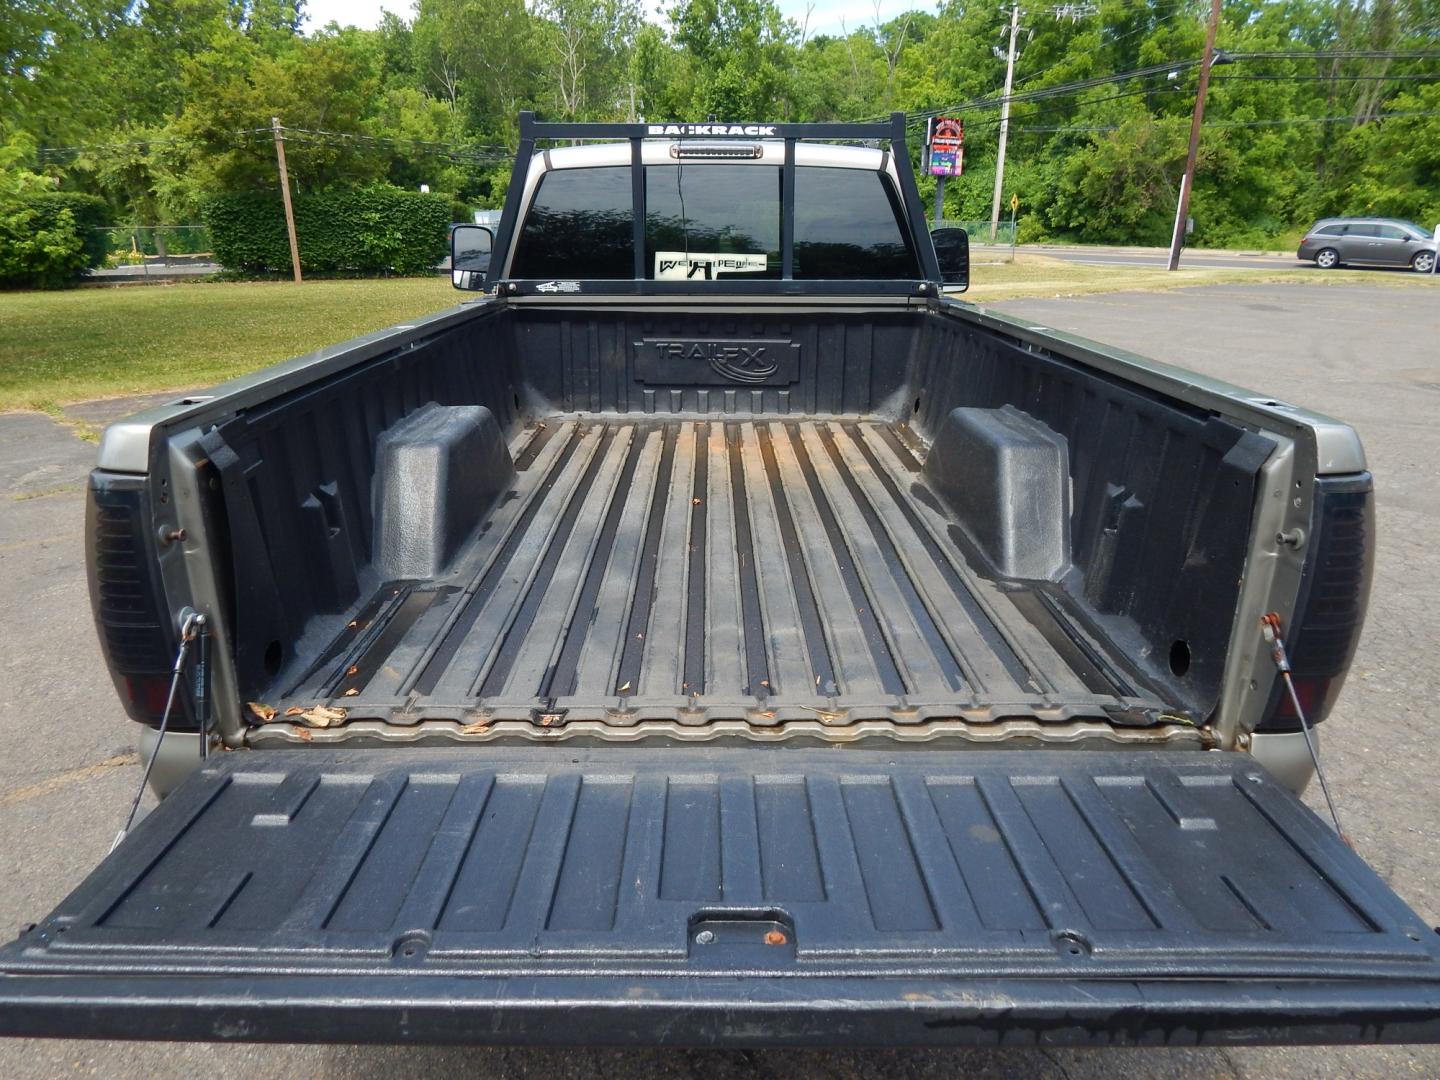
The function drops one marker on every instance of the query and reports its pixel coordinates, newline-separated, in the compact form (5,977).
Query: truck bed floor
(698,571)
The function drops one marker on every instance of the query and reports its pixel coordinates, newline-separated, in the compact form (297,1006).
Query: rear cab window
(709,221)
(579,226)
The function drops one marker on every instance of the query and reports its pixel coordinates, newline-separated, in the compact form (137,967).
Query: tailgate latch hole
(411,946)
(1071,943)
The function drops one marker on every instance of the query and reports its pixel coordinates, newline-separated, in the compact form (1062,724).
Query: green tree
(739,52)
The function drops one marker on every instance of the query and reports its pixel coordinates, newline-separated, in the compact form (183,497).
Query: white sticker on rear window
(705,265)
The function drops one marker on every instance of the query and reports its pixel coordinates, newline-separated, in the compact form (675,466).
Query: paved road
(66,773)
(1191,257)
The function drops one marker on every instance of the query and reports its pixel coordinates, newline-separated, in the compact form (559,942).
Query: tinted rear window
(697,214)
(847,225)
(714,222)
(579,226)
(1362,229)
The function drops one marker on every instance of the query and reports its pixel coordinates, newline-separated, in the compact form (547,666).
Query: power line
(305,136)
(1166,89)
(1283,122)
(44,152)
(1338,54)
(1326,78)
(394,140)
(1111,43)
(1061,90)
(1067,89)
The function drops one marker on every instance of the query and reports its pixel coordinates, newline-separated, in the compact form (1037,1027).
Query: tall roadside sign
(945,147)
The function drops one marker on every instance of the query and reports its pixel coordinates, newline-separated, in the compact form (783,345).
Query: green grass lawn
(62,347)
(81,344)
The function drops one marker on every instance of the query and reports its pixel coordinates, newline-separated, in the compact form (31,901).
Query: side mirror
(470,247)
(952,249)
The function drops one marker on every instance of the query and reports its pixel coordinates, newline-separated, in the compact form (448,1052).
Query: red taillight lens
(127,598)
(1314,695)
(1330,609)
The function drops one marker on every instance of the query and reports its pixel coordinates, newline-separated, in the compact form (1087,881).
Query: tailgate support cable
(1270,630)
(192,628)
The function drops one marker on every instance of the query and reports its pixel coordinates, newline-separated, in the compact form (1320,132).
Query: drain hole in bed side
(274,656)
(916,407)
(1179,656)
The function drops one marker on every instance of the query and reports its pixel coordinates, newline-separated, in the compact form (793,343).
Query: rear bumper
(720,1012)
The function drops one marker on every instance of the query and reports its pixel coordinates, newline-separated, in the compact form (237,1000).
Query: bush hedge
(378,229)
(47,238)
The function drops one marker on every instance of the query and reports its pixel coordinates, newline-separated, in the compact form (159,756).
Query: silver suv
(1333,242)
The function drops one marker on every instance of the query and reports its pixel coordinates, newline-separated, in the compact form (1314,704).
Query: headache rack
(533,131)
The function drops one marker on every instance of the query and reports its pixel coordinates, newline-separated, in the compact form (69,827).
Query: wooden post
(285,194)
(1187,182)
(1005,121)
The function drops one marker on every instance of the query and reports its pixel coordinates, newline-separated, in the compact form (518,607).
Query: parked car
(1333,242)
(710,633)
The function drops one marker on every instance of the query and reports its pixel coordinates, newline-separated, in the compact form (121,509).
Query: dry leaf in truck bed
(352,691)
(262,712)
(302,732)
(480,727)
(294,710)
(321,716)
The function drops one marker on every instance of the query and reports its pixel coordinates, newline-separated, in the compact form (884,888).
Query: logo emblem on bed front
(745,362)
(678,361)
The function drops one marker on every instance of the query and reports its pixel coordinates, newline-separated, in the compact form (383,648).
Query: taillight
(1330,609)
(127,598)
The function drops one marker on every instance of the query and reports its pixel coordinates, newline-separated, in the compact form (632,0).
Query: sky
(826,17)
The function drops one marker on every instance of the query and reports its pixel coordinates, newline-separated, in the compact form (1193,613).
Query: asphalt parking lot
(1366,354)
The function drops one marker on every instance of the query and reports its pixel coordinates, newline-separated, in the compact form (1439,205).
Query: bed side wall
(296,476)
(1162,497)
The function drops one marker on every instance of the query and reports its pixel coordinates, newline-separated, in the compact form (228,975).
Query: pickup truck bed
(680,660)
(806,570)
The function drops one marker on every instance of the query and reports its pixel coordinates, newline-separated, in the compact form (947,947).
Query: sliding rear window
(712,222)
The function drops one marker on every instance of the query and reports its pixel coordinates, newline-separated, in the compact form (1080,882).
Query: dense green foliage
(376,229)
(153,104)
(47,237)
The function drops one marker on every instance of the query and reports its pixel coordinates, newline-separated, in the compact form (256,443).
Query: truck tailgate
(709,896)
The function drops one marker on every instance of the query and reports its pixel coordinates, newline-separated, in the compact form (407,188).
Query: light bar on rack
(711,150)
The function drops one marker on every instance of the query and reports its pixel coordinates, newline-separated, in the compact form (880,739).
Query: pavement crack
(65,779)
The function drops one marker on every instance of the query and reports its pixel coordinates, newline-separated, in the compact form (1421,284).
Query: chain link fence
(157,245)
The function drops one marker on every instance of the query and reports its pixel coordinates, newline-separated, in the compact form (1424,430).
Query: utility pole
(1182,210)
(1005,121)
(285,195)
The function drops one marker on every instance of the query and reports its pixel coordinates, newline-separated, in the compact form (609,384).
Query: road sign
(945,141)
(1014,203)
